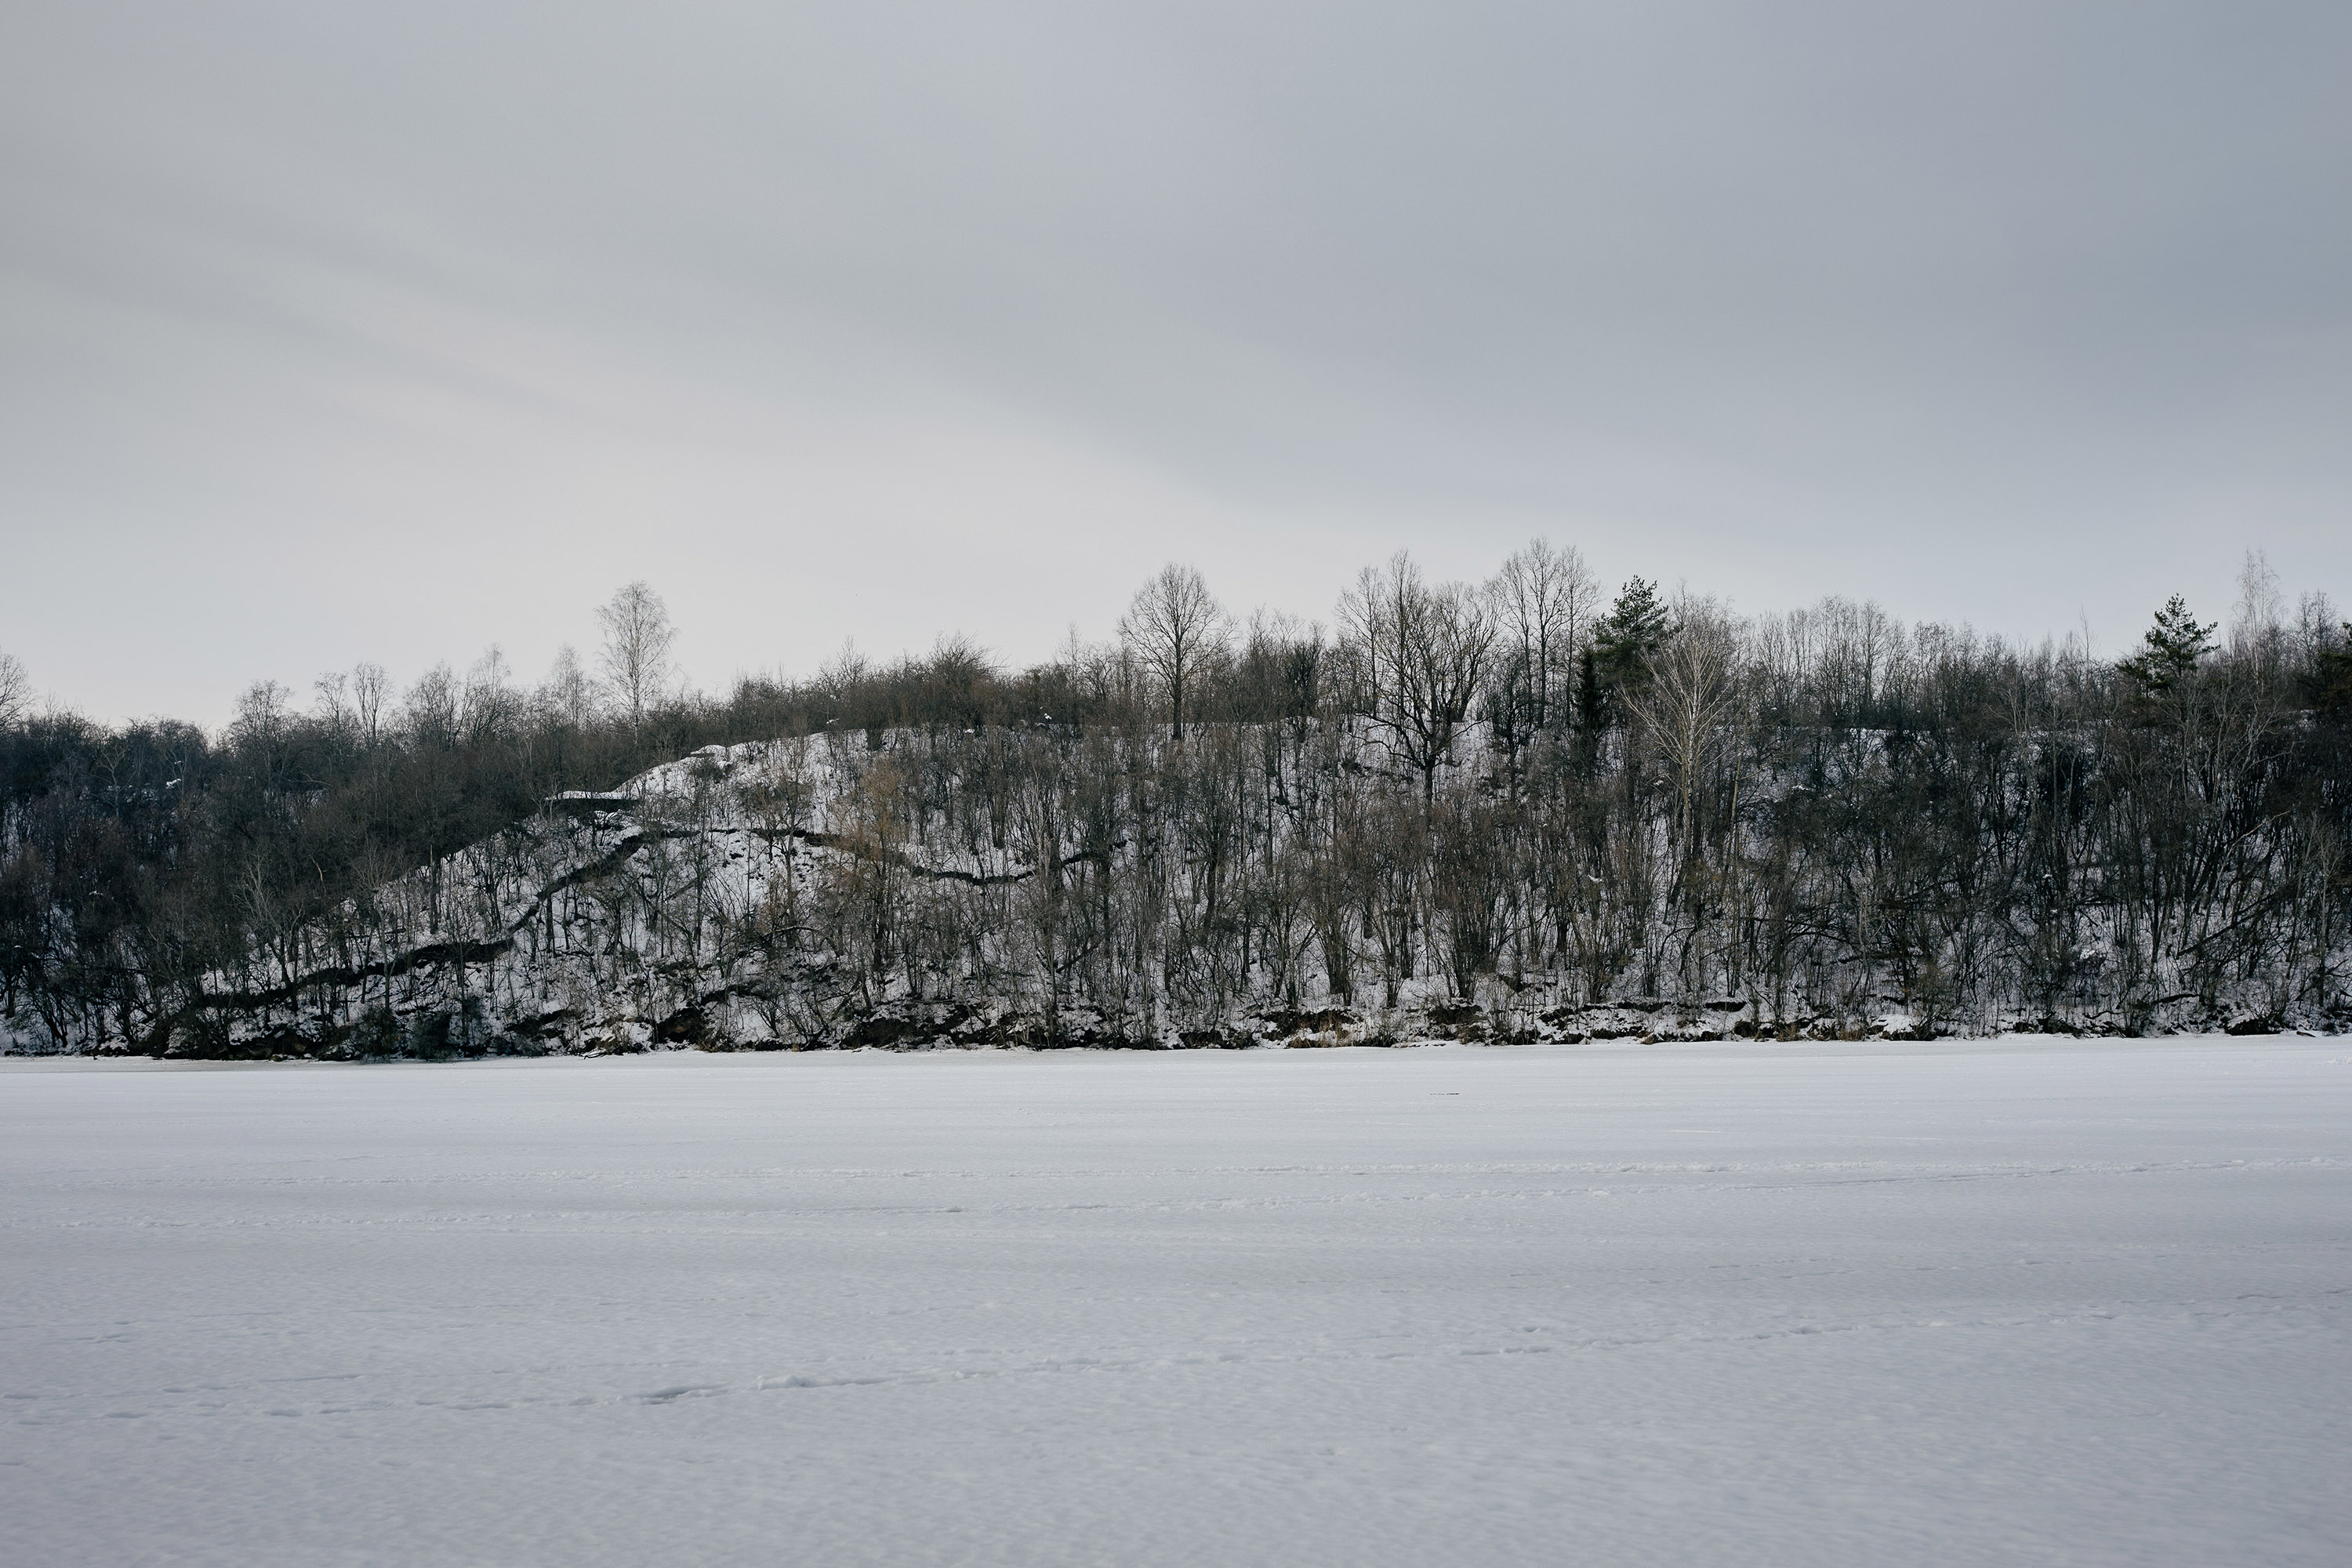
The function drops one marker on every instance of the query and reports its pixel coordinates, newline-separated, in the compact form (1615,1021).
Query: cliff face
(665,911)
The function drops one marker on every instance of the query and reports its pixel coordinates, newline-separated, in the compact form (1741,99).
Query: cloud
(384,332)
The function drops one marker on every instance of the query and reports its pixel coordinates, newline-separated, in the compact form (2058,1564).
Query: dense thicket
(1820,815)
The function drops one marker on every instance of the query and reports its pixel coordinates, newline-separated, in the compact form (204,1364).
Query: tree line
(1490,800)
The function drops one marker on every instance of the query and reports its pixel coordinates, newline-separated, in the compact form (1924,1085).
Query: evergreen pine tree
(2170,651)
(1636,627)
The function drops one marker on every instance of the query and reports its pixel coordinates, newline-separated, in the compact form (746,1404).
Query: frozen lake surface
(1992,1302)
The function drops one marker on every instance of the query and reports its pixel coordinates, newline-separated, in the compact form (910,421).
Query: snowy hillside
(715,901)
(1284,884)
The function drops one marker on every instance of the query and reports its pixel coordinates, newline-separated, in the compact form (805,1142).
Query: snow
(1993,1302)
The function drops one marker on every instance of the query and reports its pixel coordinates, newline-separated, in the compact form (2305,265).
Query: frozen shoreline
(2028,1299)
(1768,1050)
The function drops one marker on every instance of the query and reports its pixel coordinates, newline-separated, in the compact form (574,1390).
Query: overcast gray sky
(344,332)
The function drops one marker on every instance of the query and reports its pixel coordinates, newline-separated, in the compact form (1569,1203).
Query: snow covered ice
(1988,1302)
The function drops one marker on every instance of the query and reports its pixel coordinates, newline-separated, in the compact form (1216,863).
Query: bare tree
(430,710)
(1174,628)
(16,688)
(1860,649)
(490,704)
(1420,655)
(637,637)
(262,728)
(1691,695)
(263,711)
(335,712)
(1544,602)
(2258,629)
(568,696)
(370,682)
